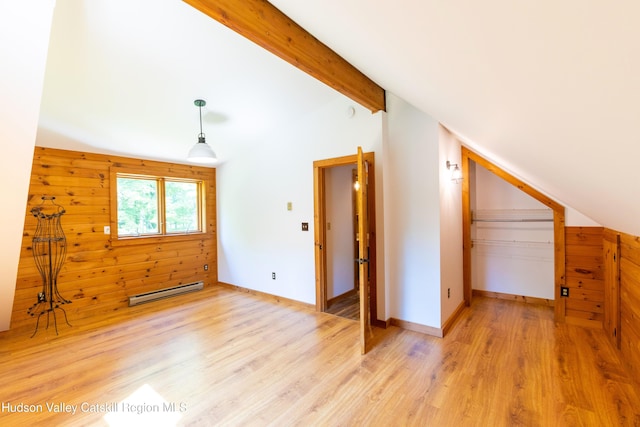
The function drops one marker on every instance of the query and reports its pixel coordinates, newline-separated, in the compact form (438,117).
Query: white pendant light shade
(201,152)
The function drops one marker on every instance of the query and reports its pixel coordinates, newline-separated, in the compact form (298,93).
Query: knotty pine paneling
(583,236)
(630,302)
(584,263)
(99,276)
(611,254)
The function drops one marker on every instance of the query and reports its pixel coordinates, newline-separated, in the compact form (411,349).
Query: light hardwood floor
(230,358)
(348,307)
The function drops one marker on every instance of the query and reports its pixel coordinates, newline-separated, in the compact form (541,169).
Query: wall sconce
(456,173)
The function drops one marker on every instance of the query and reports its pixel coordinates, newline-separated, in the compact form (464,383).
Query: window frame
(161,177)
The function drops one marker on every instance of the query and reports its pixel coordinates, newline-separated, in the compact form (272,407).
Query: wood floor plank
(347,306)
(232,358)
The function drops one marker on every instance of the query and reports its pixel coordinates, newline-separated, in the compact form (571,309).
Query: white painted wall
(257,235)
(510,257)
(573,218)
(340,233)
(22,71)
(451,292)
(412,214)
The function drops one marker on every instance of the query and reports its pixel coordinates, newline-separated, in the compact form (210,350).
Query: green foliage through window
(150,206)
(137,207)
(181,205)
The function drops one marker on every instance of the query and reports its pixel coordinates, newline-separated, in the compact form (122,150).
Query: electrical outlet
(305,226)
(273,276)
(206,267)
(564,291)
(107,229)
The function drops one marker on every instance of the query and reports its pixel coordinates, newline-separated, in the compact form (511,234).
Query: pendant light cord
(200,108)
(199,103)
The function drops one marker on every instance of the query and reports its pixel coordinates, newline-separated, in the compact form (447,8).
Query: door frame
(558,228)
(319,218)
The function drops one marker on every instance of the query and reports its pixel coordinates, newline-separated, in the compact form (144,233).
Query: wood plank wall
(98,276)
(611,254)
(584,276)
(629,302)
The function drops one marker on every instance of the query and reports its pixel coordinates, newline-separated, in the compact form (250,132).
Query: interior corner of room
(395,206)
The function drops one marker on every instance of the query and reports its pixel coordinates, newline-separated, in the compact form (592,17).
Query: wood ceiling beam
(262,23)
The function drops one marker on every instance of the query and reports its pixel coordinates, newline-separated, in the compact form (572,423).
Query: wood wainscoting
(603,275)
(99,276)
(585,276)
(629,303)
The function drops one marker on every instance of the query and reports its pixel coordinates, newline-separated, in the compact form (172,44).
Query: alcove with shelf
(512,238)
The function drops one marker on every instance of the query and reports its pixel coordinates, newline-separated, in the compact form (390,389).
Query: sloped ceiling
(122,77)
(548,90)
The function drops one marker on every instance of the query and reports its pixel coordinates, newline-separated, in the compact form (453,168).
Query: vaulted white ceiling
(548,90)
(122,77)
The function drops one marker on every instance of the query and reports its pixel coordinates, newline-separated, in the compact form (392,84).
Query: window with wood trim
(149,206)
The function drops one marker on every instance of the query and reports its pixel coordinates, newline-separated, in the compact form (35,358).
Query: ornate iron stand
(49,252)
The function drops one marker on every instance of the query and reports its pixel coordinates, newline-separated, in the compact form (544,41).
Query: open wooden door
(363,251)
(365,247)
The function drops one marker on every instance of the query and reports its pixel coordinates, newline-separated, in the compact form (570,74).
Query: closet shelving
(512,220)
(512,215)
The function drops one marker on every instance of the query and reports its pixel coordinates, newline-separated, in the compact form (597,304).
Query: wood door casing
(469,156)
(320,167)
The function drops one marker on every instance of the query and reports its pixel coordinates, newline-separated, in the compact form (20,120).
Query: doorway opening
(468,157)
(336,237)
(341,243)
(511,241)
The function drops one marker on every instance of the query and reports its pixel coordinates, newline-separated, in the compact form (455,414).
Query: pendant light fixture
(201,152)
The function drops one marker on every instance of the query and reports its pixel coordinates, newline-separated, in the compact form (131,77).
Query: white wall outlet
(107,229)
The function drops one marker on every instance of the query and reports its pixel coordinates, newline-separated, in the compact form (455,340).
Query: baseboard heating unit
(165,293)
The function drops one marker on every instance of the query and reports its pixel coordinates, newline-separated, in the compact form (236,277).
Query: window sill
(149,240)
